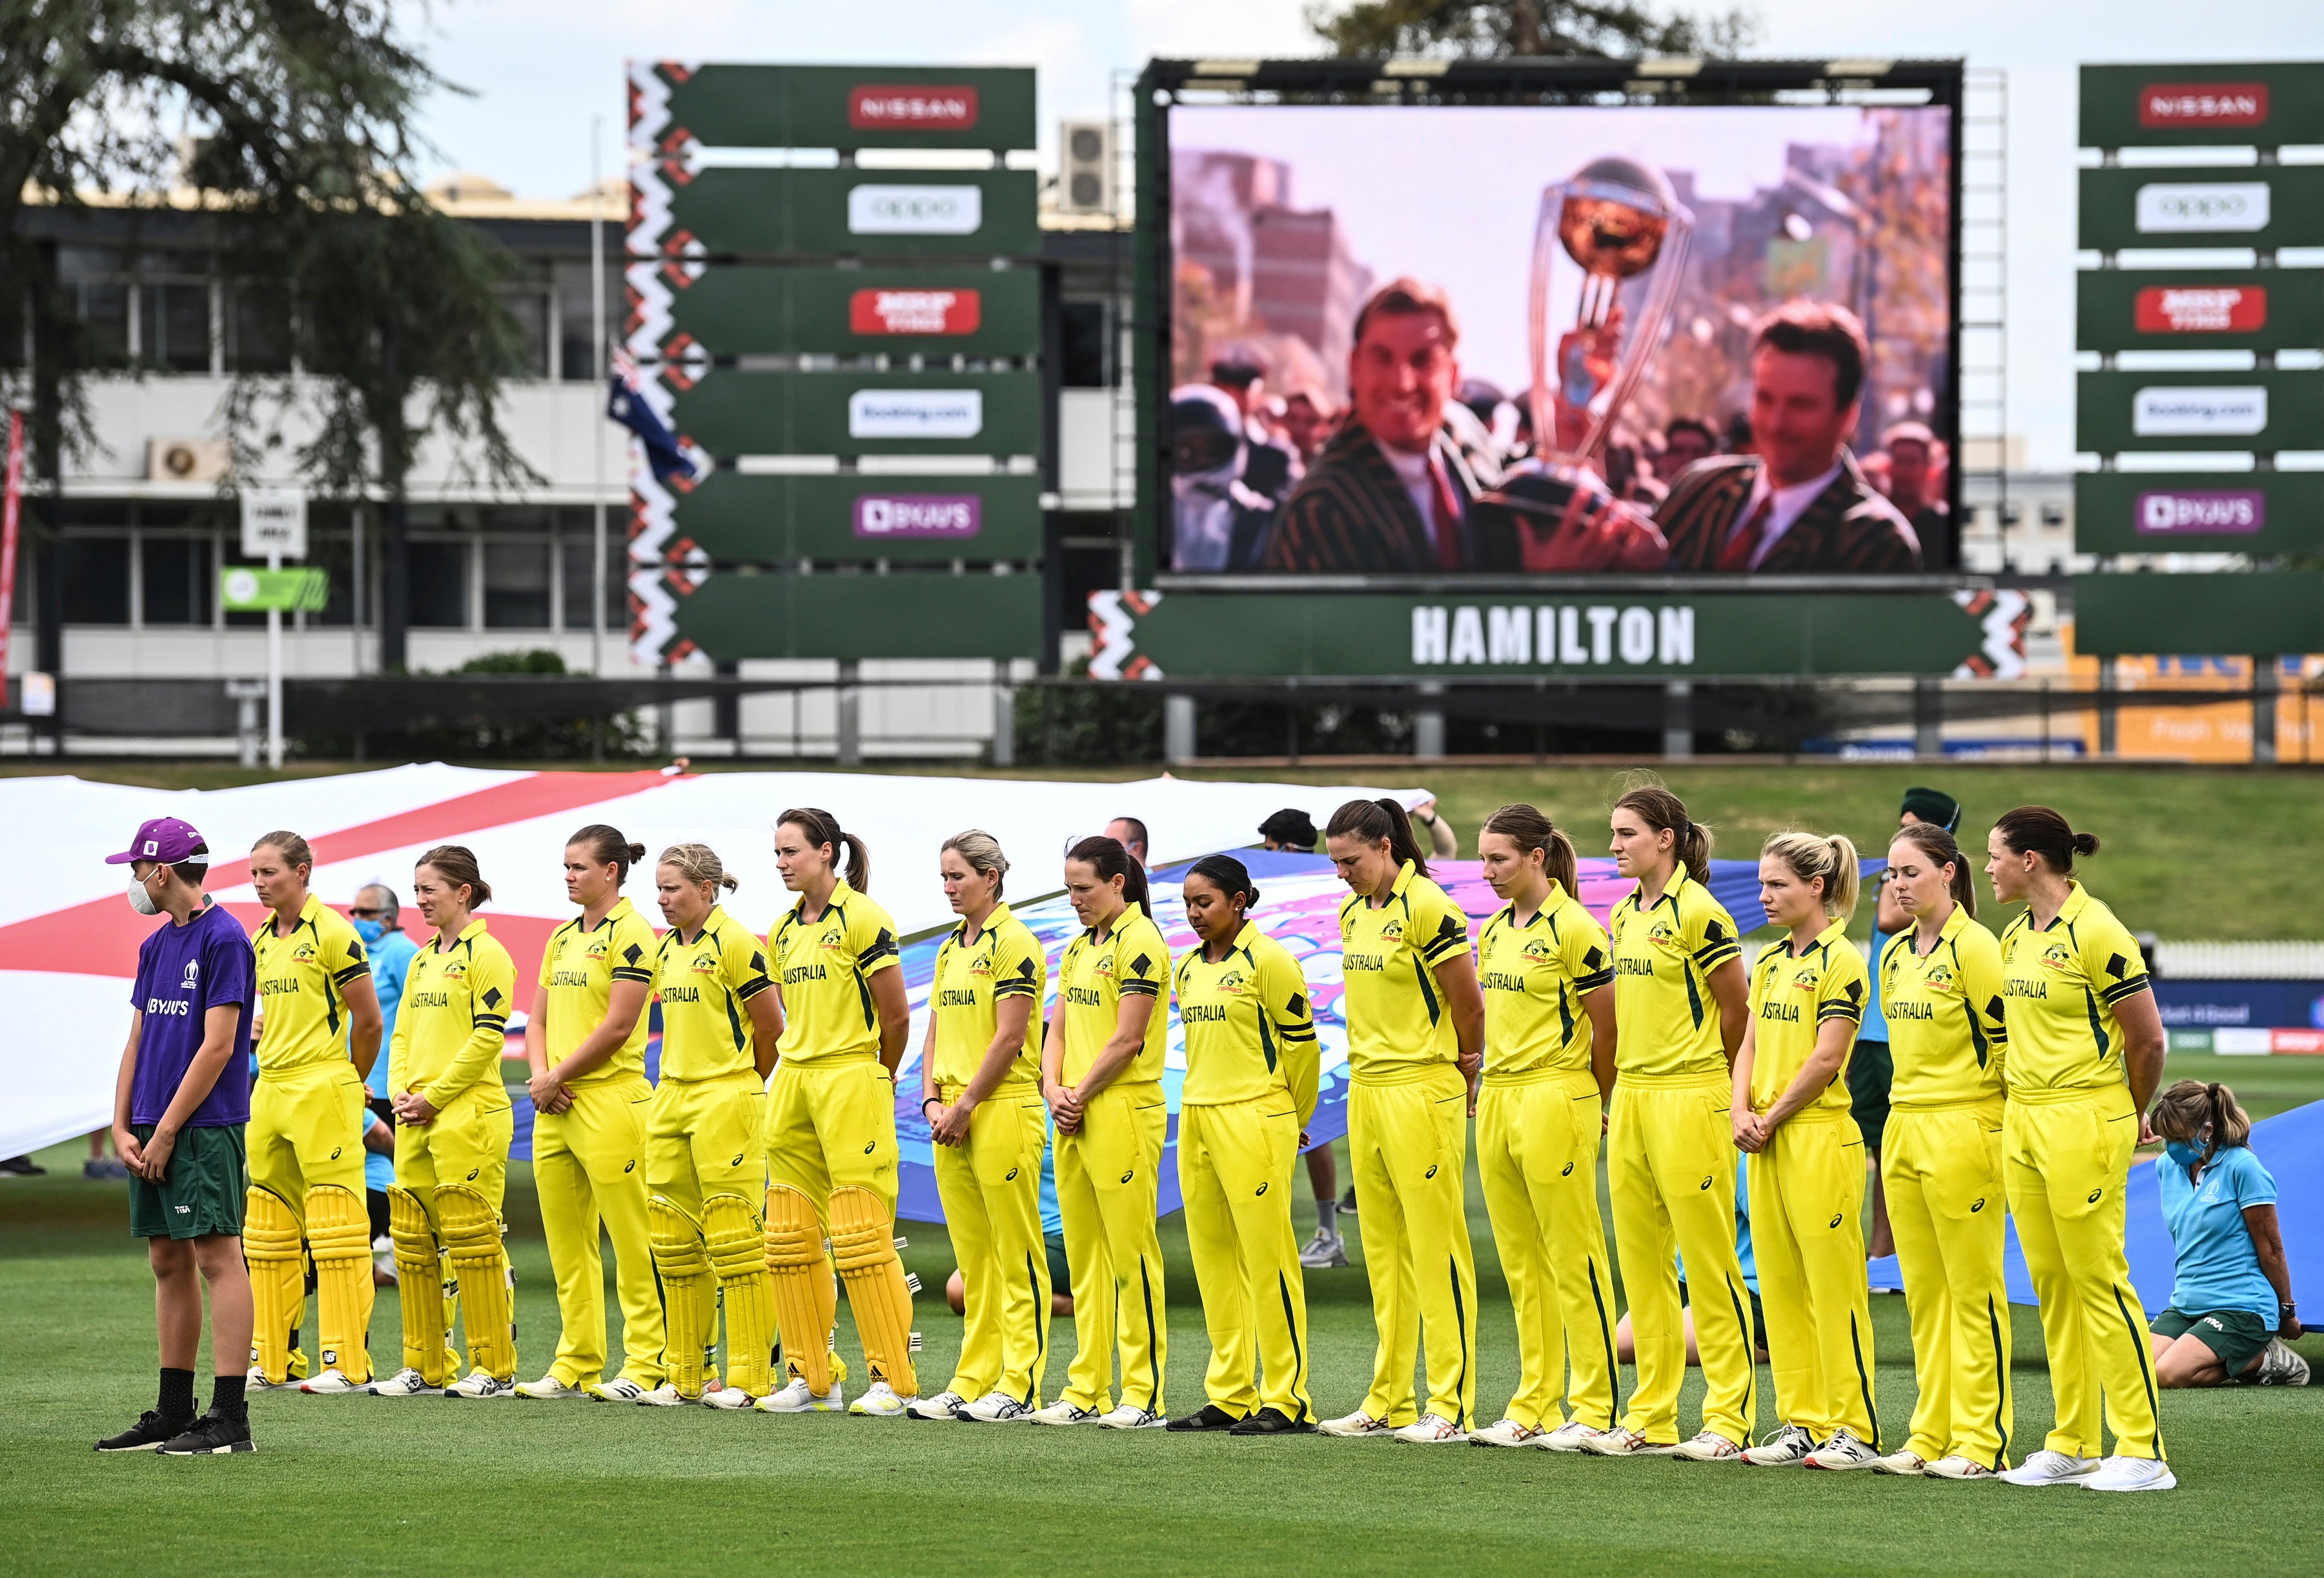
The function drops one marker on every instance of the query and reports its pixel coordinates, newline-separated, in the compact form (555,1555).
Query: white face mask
(140,900)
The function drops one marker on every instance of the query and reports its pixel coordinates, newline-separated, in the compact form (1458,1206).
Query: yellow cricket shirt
(1945,1027)
(1006,960)
(1663,955)
(1097,973)
(454,1011)
(826,967)
(578,969)
(703,982)
(2059,987)
(302,989)
(1533,977)
(1250,1031)
(1397,1027)
(1792,997)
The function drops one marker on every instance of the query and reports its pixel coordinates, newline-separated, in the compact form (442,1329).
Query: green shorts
(1870,1070)
(1061,1276)
(202,1191)
(2236,1335)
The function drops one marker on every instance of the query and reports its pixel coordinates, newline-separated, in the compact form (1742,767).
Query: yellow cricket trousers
(1108,1176)
(1235,1162)
(1409,1144)
(1807,1235)
(588,1166)
(1671,1179)
(466,1144)
(990,1189)
(2066,1162)
(1941,1164)
(702,1138)
(306,1132)
(1538,1154)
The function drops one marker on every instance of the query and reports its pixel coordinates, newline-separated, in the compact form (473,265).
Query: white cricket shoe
(1357,1424)
(548,1386)
(664,1396)
(256,1381)
(994,1407)
(944,1405)
(1905,1464)
(620,1389)
(404,1382)
(1709,1446)
(1130,1417)
(1506,1433)
(797,1397)
(1618,1442)
(1957,1467)
(476,1383)
(1430,1429)
(1062,1412)
(1571,1437)
(2052,1468)
(1788,1448)
(2280,1366)
(732,1398)
(1323,1252)
(879,1401)
(331,1383)
(1845,1450)
(2132,1474)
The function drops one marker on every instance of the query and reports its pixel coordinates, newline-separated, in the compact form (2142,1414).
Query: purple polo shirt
(182,973)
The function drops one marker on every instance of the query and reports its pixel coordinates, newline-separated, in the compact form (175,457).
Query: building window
(1083,359)
(440,583)
(173,324)
(96,578)
(258,329)
(576,360)
(517,573)
(529,305)
(174,568)
(579,584)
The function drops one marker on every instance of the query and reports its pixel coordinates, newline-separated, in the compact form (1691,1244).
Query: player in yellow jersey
(980,1092)
(1102,1076)
(587,1043)
(1793,1119)
(1251,1068)
(706,1164)
(1546,968)
(1416,1043)
(1680,997)
(306,1129)
(2084,1055)
(831,1123)
(1941,1157)
(453,1129)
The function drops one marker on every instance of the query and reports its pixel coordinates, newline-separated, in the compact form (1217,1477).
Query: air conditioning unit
(1085,167)
(187,460)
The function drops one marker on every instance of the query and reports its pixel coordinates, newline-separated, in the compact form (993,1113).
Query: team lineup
(758,1176)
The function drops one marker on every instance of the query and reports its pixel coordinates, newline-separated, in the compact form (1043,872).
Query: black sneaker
(1273,1422)
(20,1166)
(1209,1416)
(211,1436)
(1348,1202)
(146,1434)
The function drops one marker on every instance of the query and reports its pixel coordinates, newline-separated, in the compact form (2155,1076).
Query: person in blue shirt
(1870,1067)
(1625,1349)
(2230,1317)
(374,914)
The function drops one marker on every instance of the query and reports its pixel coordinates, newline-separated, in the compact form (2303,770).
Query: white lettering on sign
(2188,207)
(915,413)
(884,210)
(2237,412)
(1595,636)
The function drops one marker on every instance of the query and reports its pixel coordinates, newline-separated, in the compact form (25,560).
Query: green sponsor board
(245,589)
(2198,309)
(731,412)
(732,105)
(2261,612)
(737,616)
(750,311)
(2163,512)
(769,520)
(2264,103)
(1220,635)
(2263,410)
(844,213)
(2262,205)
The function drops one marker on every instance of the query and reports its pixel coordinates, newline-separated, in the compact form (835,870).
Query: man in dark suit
(1392,491)
(1799,504)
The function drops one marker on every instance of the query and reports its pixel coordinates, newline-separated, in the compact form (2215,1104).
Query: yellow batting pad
(731,1234)
(685,1290)
(863,1245)
(278,1282)
(420,1281)
(471,1233)
(801,1275)
(338,1236)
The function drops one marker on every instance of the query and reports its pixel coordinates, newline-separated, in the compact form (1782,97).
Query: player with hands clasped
(1416,1044)
(1791,1116)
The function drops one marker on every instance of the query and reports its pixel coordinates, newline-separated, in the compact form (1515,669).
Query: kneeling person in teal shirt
(2231,1316)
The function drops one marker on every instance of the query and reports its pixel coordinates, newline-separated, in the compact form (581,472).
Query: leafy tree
(1495,29)
(283,131)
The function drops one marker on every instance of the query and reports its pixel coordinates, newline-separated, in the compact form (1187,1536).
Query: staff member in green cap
(1870,1069)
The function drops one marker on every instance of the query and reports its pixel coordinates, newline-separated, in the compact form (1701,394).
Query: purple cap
(164,839)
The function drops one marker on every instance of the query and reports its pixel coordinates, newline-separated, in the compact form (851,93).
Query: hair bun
(2085,843)
(637,853)
(1251,894)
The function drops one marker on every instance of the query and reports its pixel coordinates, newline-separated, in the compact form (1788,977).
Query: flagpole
(597,427)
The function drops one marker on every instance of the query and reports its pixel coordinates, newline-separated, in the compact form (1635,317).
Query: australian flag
(624,404)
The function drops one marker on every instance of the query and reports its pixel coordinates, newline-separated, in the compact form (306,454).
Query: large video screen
(1420,339)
